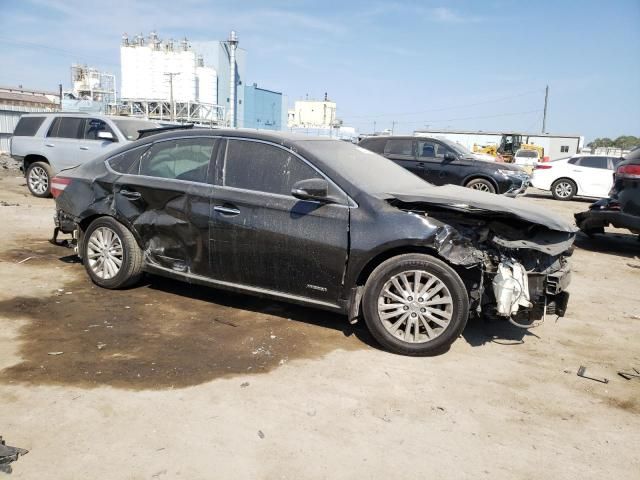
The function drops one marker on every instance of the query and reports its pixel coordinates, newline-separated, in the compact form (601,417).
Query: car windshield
(362,168)
(130,126)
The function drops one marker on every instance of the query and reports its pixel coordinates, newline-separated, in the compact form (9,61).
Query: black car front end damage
(514,268)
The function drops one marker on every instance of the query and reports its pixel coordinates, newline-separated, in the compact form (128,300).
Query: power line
(59,51)
(485,102)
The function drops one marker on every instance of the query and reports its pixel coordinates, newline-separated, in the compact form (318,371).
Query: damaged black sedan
(317,222)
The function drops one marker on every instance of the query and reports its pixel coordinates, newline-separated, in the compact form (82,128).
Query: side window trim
(54,123)
(223,157)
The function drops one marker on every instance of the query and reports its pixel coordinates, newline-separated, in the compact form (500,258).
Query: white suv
(46,143)
(586,175)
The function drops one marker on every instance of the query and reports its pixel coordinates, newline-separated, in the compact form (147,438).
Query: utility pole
(172,105)
(233,45)
(374,126)
(60,87)
(544,115)
(393,126)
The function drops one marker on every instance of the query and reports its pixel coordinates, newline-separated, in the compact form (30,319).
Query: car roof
(85,114)
(265,135)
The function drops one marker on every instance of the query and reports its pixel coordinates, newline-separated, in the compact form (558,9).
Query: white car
(585,175)
(526,158)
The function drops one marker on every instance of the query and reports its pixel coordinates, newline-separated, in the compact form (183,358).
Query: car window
(615,161)
(129,126)
(593,162)
(93,126)
(431,149)
(572,160)
(182,159)
(263,167)
(129,161)
(374,144)
(28,126)
(399,147)
(66,127)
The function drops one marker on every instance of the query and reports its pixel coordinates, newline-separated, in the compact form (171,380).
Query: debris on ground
(582,372)
(630,375)
(8,163)
(8,204)
(9,454)
(260,434)
(25,260)
(244,384)
(55,353)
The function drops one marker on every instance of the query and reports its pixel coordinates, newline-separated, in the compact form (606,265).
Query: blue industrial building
(263,109)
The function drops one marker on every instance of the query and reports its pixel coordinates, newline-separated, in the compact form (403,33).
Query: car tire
(564,189)
(481,184)
(39,175)
(418,323)
(111,254)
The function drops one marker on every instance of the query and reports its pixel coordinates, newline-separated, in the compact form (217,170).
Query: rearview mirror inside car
(312,189)
(106,136)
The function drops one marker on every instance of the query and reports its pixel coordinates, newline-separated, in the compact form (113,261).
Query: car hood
(473,201)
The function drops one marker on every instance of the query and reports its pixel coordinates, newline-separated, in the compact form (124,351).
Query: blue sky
(456,64)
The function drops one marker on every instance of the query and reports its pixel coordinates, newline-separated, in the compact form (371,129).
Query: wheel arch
(32,158)
(481,176)
(91,217)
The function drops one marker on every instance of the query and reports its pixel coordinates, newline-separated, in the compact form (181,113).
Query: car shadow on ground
(480,331)
(548,196)
(623,244)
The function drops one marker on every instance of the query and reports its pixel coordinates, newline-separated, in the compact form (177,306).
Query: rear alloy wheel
(564,189)
(111,254)
(481,184)
(39,179)
(415,304)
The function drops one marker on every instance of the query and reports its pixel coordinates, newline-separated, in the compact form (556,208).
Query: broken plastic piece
(511,288)
(582,372)
(10,454)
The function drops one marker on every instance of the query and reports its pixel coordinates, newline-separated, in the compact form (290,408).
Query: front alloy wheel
(415,304)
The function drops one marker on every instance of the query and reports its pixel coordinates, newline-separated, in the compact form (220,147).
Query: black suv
(440,161)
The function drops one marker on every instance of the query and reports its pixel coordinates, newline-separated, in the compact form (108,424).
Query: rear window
(399,147)
(28,126)
(66,127)
(130,126)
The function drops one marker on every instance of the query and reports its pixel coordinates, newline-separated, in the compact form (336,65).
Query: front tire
(111,254)
(39,176)
(415,304)
(564,189)
(481,184)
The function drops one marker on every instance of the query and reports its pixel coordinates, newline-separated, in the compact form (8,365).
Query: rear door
(263,237)
(593,176)
(90,146)
(402,151)
(439,170)
(61,143)
(164,196)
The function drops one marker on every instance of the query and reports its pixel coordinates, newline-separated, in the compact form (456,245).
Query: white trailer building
(555,146)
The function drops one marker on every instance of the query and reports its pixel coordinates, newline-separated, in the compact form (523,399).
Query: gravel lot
(173,381)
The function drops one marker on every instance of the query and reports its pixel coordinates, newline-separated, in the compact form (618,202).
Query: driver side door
(265,239)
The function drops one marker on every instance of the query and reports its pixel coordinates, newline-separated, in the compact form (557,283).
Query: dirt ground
(168,380)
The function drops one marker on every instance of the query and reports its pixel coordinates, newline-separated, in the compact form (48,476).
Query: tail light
(543,167)
(58,184)
(546,159)
(628,171)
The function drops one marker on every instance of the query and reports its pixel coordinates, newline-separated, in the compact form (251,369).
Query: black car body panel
(442,162)
(304,251)
(622,208)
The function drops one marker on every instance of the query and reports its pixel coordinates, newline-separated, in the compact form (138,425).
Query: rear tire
(564,189)
(39,175)
(481,184)
(111,254)
(415,304)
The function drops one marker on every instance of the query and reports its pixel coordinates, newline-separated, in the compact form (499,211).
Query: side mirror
(450,156)
(106,136)
(312,189)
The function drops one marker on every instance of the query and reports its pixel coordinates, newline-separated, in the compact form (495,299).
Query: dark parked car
(440,161)
(317,222)
(622,208)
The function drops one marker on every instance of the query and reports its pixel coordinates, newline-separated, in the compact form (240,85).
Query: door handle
(84,148)
(226,210)
(49,145)
(131,195)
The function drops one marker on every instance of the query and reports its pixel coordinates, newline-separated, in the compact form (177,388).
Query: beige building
(312,114)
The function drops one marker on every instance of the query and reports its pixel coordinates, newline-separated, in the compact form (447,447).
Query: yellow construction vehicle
(510,143)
